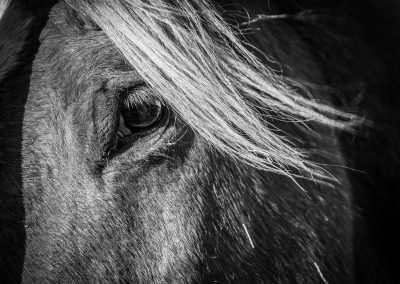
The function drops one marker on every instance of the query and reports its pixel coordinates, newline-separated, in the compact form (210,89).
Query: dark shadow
(14,90)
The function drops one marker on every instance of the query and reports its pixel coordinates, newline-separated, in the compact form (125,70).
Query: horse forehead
(71,60)
(63,38)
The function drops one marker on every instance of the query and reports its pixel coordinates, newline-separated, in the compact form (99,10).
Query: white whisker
(248,235)
(320,273)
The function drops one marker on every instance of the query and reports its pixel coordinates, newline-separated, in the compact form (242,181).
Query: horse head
(151,145)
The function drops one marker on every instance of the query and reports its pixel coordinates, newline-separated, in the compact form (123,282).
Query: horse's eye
(136,118)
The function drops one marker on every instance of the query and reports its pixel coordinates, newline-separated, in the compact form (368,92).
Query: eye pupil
(136,118)
(142,115)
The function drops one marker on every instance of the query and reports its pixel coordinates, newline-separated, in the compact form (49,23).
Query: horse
(196,141)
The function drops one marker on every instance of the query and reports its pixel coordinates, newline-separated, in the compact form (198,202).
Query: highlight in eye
(140,113)
(136,117)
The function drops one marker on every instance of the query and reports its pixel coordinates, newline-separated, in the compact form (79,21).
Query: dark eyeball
(139,117)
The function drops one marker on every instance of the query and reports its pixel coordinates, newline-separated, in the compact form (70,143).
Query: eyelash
(149,114)
(137,117)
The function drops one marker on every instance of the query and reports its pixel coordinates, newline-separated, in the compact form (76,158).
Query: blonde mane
(199,66)
(13,31)
(3,6)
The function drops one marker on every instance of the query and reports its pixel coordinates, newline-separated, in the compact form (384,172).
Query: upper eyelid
(123,80)
(129,86)
(139,94)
